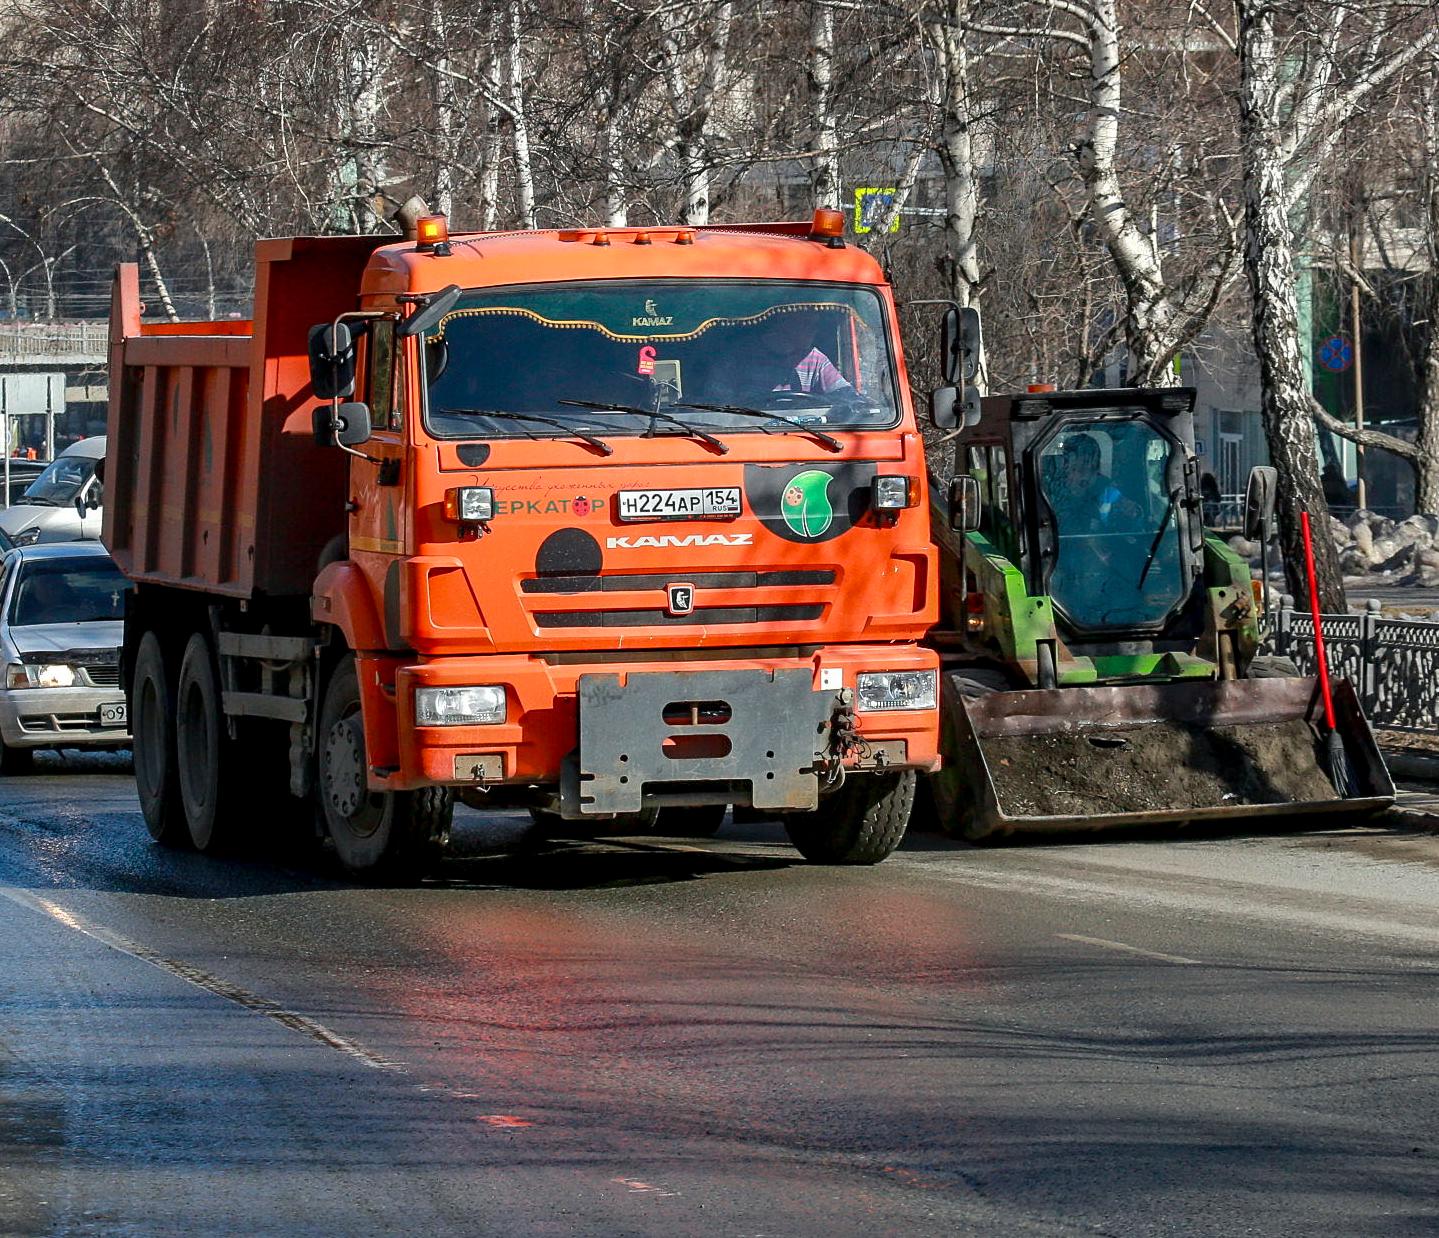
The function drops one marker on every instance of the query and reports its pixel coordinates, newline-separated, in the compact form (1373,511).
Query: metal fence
(1394,663)
(24,342)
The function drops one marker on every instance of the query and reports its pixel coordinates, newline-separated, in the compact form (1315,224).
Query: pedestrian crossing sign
(870,205)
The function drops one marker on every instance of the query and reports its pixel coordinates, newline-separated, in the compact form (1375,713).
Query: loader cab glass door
(1117,560)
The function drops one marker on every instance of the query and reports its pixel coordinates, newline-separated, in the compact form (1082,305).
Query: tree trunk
(824,174)
(443,88)
(519,122)
(1149,323)
(1426,467)
(1269,263)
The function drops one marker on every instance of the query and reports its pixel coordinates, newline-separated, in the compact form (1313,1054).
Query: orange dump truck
(603,523)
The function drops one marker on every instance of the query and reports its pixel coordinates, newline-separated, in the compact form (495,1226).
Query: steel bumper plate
(775,731)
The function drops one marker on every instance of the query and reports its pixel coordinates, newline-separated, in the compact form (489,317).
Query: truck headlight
(50,675)
(459,706)
(470,504)
(878,690)
(892,492)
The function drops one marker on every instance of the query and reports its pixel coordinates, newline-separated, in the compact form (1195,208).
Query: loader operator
(1088,501)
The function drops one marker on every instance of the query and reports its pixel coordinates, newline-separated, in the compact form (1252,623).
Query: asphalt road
(1202,1035)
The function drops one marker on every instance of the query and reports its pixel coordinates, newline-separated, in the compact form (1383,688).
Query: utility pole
(1360,495)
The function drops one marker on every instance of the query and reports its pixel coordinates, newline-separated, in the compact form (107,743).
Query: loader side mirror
(960,342)
(332,360)
(1259,498)
(964,504)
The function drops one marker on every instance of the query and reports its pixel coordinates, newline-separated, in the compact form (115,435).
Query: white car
(63,503)
(62,610)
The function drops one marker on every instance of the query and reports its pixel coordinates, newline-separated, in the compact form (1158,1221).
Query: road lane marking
(204,980)
(636,1187)
(1119,945)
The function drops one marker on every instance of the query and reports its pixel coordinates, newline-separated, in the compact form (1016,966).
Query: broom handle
(1318,627)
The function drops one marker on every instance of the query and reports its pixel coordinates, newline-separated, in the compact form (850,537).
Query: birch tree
(1284,119)
(695,49)
(824,165)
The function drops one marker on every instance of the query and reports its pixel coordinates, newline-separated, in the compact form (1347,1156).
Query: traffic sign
(1336,354)
(870,204)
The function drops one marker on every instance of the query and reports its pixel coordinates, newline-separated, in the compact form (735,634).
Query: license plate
(113,715)
(678,504)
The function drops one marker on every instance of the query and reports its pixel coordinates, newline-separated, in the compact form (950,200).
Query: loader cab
(1094,496)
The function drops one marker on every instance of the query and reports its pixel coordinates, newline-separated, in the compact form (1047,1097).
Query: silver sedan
(62,607)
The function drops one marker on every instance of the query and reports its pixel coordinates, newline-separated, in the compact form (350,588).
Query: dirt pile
(1157,766)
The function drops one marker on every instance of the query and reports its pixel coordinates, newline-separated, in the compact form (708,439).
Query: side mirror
(354,427)
(943,402)
(964,504)
(89,499)
(332,360)
(1259,498)
(430,313)
(960,341)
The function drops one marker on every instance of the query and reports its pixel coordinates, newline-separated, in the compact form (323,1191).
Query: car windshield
(61,481)
(67,591)
(752,352)
(1118,560)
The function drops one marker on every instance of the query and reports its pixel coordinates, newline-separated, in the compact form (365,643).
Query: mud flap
(767,728)
(1095,757)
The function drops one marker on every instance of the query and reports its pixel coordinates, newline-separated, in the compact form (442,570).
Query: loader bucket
(1087,758)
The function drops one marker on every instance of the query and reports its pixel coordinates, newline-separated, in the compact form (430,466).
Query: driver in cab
(1088,501)
(787,359)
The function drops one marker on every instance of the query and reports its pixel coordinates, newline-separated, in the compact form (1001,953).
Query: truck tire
(204,754)
(955,804)
(378,835)
(153,732)
(861,823)
(695,821)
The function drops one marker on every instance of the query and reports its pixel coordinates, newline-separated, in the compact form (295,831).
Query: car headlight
(896,690)
(459,706)
(27,537)
(50,675)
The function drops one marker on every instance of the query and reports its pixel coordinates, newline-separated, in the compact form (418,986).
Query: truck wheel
(153,729)
(861,823)
(697,821)
(384,834)
(202,749)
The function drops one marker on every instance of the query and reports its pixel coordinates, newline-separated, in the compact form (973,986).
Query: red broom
(1335,756)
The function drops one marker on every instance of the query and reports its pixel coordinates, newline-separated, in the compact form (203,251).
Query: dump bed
(213,479)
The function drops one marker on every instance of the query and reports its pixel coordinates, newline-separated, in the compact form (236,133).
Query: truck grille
(658,618)
(700,580)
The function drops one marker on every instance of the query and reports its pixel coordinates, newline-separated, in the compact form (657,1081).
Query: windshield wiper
(595,406)
(35,501)
(1158,537)
(598,444)
(739,410)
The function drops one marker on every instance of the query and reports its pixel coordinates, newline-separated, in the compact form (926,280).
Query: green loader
(1101,648)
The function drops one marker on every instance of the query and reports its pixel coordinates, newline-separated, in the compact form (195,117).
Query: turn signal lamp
(432,234)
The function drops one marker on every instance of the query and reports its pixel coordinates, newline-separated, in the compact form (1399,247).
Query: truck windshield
(815,353)
(1118,560)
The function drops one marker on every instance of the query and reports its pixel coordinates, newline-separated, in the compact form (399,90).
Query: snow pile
(1391,552)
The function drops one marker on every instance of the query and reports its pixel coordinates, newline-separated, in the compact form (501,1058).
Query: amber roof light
(432,234)
(828,224)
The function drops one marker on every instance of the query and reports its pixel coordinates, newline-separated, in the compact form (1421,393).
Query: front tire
(153,732)
(861,823)
(377,834)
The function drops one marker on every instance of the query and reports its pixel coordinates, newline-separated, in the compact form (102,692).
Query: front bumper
(544,727)
(59,718)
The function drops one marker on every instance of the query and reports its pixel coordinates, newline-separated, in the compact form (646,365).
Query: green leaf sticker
(805,504)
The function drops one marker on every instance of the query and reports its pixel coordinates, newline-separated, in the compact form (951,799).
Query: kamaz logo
(648,542)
